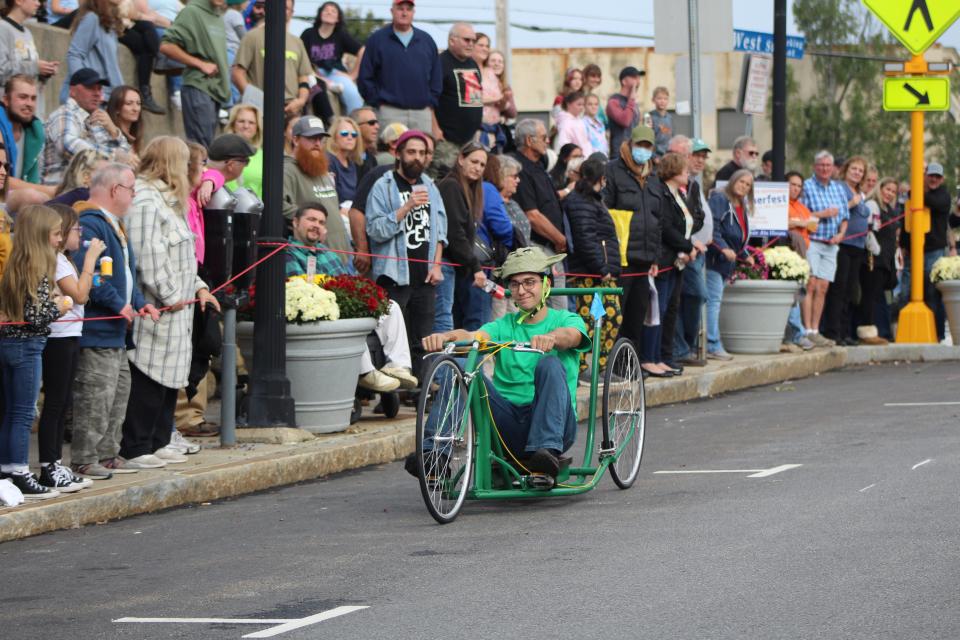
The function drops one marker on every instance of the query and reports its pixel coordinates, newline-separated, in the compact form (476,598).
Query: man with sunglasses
(745,156)
(533,398)
(460,107)
(366,119)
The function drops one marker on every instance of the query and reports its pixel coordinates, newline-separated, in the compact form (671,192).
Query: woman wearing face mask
(560,175)
(629,190)
(570,126)
(595,256)
(842,292)
(462,192)
(731,209)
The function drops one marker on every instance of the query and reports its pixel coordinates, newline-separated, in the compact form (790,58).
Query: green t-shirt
(513,374)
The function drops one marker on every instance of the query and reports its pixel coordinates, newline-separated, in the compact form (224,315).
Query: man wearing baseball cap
(622,109)
(307,178)
(79,124)
(936,243)
(694,287)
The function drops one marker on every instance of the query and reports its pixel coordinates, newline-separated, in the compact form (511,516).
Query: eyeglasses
(243,161)
(468,40)
(526,283)
(77,229)
(7,167)
(120,184)
(369,123)
(753,154)
(344,133)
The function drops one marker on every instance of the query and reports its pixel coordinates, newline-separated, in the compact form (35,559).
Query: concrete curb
(326,455)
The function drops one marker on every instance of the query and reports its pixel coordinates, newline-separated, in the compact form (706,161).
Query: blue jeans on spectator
(652,335)
(472,307)
(795,330)
(931,295)
(350,95)
(20,367)
(694,294)
(715,286)
(549,422)
(443,316)
(234,92)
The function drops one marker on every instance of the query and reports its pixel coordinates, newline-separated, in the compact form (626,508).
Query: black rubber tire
(390,403)
(624,398)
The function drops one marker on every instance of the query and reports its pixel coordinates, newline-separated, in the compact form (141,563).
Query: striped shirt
(818,197)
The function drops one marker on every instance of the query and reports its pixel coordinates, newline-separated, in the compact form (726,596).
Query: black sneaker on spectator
(94,471)
(74,478)
(52,479)
(30,488)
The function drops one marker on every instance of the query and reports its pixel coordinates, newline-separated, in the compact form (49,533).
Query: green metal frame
(493,468)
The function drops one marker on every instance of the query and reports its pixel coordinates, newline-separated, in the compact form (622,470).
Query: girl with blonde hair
(27,297)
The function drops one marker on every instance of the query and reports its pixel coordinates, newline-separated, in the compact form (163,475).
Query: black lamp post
(270,400)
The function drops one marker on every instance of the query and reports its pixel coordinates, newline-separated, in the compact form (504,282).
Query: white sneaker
(181,444)
(376,381)
(175,101)
(170,455)
(407,380)
(146,461)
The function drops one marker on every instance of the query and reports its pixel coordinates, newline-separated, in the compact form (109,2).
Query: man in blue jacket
(102,383)
(22,131)
(400,73)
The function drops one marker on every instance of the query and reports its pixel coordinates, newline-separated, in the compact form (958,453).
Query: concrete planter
(323,362)
(950,290)
(754,313)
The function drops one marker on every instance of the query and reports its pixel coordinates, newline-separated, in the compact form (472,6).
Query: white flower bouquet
(784,263)
(945,268)
(309,302)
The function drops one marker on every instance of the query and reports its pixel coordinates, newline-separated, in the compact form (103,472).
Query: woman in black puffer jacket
(628,189)
(595,258)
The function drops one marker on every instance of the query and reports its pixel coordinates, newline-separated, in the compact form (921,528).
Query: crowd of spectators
(403,164)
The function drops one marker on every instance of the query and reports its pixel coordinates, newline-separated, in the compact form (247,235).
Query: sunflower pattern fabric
(609,328)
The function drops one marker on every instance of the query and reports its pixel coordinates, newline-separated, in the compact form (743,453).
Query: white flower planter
(950,290)
(754,313)
(323,362)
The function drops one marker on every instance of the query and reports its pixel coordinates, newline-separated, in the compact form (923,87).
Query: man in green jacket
(198,40)
(22,131)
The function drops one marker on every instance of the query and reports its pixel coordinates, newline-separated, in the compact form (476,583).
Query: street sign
(753,84)
(916,23)
(916,93)
(758,42)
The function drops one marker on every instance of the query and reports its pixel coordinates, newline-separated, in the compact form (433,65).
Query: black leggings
(636,301)
(59,368)
(148,424)
(144,44)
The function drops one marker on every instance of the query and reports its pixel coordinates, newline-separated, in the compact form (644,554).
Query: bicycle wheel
(624,411)
(444,439)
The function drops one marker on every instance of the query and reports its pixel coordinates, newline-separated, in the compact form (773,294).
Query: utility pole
(693,14)
(779,88)
(503,35)
(270,400)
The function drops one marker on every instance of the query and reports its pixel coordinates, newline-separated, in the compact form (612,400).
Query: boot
(148,103)
(869,335)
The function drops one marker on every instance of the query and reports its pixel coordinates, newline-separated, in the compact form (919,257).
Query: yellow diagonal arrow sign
(916,93)
(916,23)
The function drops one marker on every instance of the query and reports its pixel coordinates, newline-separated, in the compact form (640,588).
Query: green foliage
(359,26)
(845,112)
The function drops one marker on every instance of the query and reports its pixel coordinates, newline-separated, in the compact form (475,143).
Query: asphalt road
(858,542)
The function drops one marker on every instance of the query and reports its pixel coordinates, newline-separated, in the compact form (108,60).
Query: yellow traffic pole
(916,319)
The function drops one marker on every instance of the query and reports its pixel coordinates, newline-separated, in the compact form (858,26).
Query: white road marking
(921,404)
(281,625)
(290,626)
(920,464)
(753,473)
(867,488)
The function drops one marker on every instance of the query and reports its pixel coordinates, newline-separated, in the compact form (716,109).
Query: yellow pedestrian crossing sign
(916,93)
(916,23)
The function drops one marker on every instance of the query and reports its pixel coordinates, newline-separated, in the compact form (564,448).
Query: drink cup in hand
(106,267)
(419,194)
(812,225)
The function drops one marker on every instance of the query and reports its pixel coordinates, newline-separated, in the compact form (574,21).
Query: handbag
(871,243)
(483,253)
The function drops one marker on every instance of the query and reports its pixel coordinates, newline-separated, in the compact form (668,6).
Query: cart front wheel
(444,439)
(624,411)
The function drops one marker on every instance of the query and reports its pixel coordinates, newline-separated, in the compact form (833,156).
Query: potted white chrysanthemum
(328,320)
(756,304)
(946,276)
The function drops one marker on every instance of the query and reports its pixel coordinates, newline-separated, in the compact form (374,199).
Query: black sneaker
(51,478)
(543,461)
(74,478)
(30,488)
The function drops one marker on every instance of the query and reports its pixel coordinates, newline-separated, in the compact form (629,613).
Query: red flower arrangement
(358,297)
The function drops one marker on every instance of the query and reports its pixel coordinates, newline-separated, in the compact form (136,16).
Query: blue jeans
(548,423)
(694,294)
(652,335)
(715,286)
(443,316)
(472,306)
(795,329)
(21,367)
(350,94)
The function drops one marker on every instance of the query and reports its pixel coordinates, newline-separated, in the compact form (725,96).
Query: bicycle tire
(624,411)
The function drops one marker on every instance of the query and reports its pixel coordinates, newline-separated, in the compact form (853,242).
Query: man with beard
(197,39)
(306,178)
(745,156)
(308,255)
(22,131)
(407,226)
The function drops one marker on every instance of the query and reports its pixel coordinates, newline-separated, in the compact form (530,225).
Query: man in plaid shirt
(826,199)
(312,257)
(78,124)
